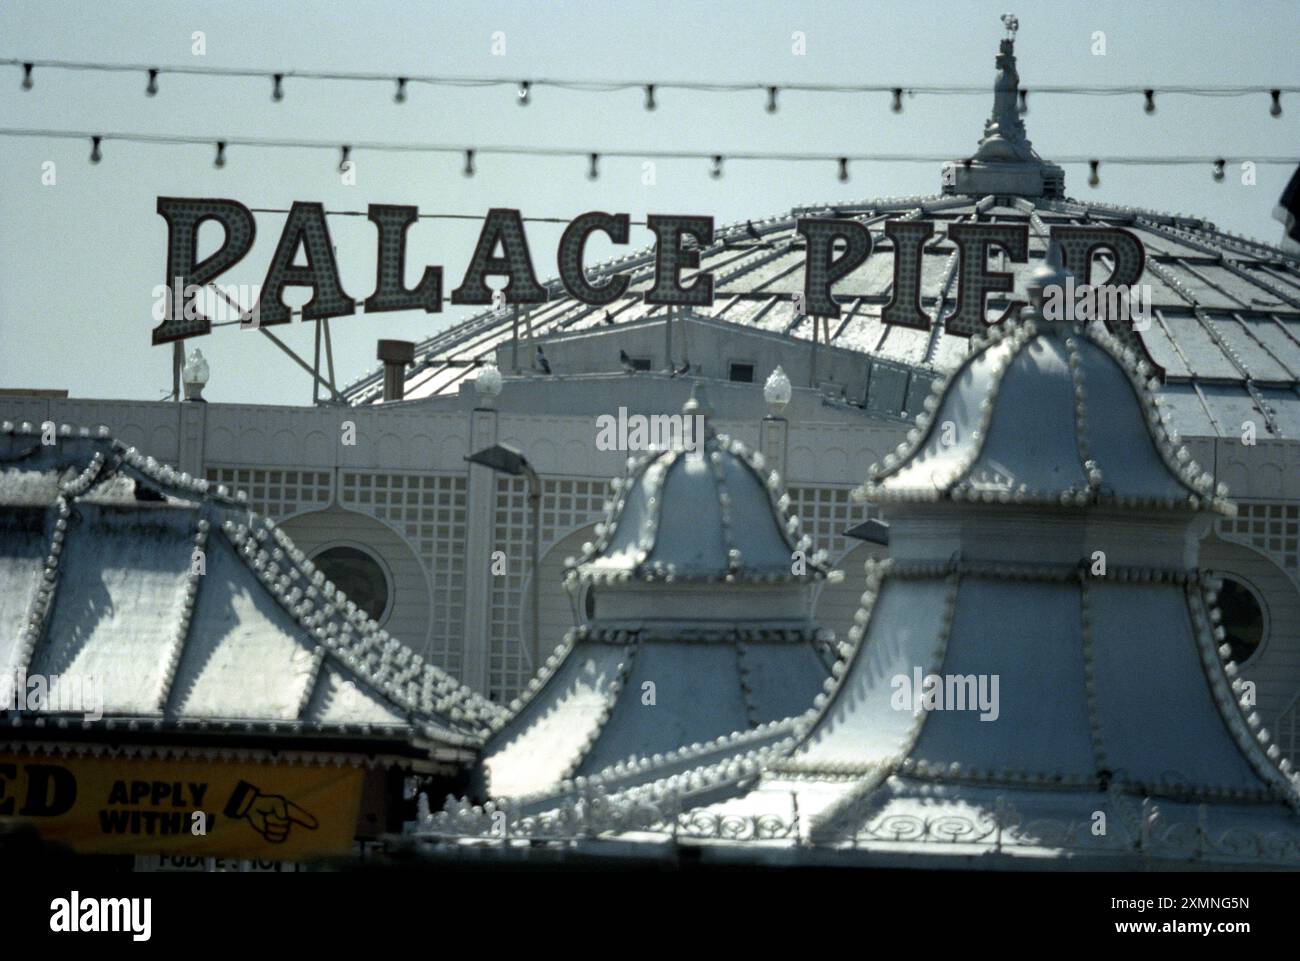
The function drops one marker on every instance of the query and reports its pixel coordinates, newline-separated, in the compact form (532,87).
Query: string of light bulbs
(716,161)
(524,88)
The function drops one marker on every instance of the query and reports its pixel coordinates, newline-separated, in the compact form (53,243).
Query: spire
(698,402)
(1004,132)
(1005,161)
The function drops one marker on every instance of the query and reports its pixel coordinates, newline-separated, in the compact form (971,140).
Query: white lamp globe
(777,391)
(488,382)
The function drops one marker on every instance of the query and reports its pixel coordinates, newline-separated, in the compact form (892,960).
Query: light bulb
(1275,110)
(1093,179)
(650,96)
(1150,105)
(896,105)
(277,87)
(524,89)
(400,95)
(1218,170)
(27,76)
(220,160)
(771,99)
(152,87)
(469,163)
(844,169)
(715,169)
(95,155)
(592,171)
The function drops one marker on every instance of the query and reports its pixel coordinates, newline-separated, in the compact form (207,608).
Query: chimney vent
(395,354)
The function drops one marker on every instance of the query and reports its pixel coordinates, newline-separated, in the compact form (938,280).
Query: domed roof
(1225,309)
(1046,412)
(711,513)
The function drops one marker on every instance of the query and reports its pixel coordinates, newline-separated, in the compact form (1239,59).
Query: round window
(358,575)
(1243,619)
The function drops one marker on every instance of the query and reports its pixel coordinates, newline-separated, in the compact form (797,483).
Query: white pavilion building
(1045,531)
(700,644)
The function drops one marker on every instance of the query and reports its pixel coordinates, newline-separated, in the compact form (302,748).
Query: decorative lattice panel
(429,510)
(566,504)
(276,493)
(1271,528)
(827,512)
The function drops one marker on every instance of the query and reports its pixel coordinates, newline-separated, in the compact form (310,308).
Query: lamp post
(508,460)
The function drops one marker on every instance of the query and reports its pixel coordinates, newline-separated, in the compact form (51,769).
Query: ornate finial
(1047,276)
(698,403)
(1005,162)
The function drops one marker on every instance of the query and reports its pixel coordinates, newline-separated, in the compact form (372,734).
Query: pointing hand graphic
(271,815)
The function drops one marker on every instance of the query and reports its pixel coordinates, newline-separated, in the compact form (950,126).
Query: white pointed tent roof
(1072,427)
(711,513)
(702,645)
(1112,695)
(97,583)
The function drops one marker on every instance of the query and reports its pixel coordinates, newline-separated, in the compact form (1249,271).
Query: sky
(82,256)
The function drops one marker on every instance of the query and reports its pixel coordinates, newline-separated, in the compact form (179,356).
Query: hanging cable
(715,159)
(608,86)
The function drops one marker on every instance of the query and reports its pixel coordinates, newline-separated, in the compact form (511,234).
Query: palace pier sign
(834,248)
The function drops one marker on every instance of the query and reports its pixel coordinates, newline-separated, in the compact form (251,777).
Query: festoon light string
(716,161)
(524,87)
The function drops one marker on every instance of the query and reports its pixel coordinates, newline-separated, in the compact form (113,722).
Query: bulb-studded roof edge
(1184,484)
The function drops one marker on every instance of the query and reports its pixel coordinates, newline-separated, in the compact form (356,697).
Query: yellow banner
(124,806)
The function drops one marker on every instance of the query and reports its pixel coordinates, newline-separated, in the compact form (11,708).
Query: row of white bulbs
(1217,168)
(525,90)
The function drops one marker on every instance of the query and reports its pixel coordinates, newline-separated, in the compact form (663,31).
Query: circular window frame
(1266,632)
(384,569)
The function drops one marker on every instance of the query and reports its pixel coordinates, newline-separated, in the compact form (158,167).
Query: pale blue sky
(81,258)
